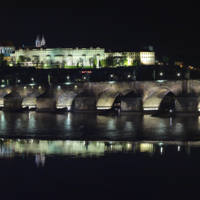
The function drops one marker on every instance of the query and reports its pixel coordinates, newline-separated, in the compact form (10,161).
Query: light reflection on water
(40,148)
(76,126)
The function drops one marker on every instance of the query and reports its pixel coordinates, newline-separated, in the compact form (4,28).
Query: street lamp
(178,74)
(161,73)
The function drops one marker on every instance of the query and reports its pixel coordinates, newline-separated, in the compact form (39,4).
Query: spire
(38,41)
(43,42)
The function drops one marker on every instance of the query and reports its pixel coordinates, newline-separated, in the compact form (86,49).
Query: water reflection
(40,148)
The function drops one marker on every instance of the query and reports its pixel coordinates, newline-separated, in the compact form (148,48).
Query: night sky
(171,26)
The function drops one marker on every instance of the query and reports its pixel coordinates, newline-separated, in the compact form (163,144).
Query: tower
(43,42)
(38,41)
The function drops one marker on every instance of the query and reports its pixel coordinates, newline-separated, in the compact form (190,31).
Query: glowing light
(129,76)
(150,108)
(67,77)
(170,111)
(32,79)
(160,81)
(161,150)
(2,81)
(161,74)
(75,86)
(24,87)
(32,107)
(178,148)
(111,75)
(104,108)
(39,87)
(18,81)
(59,87)
(111,81)
(178,74)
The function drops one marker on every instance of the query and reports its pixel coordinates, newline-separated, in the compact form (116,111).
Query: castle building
(7,48)
(40,54)
(144,57)
(59,56)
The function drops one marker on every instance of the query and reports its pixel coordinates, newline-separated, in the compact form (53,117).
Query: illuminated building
(6,48)
(142,57)
(83,57)
(63,57)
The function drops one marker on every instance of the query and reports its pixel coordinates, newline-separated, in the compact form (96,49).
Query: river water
(89,156)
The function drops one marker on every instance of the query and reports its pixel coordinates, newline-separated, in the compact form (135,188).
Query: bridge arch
(153,101)
(30,99)
(65,100)
(107,99)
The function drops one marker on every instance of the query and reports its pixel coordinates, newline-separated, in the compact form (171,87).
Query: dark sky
(171,26)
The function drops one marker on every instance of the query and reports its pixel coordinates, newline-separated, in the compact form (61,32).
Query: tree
(1,58)
(21,59)
(109,61)
(95,63)
(5,63)
(134,63)
(91,60)
(42,64)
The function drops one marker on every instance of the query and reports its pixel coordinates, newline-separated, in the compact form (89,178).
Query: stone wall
(131,104)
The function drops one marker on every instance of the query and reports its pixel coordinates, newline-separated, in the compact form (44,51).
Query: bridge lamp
(178,148)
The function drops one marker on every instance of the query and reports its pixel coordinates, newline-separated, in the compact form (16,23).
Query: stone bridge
(91,96)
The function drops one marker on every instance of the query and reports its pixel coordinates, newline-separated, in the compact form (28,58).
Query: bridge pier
(12,102)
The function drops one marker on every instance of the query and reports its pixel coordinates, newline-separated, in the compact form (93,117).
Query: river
(89,156)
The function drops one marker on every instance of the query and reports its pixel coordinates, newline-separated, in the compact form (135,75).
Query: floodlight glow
(160,81)
(178,148)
